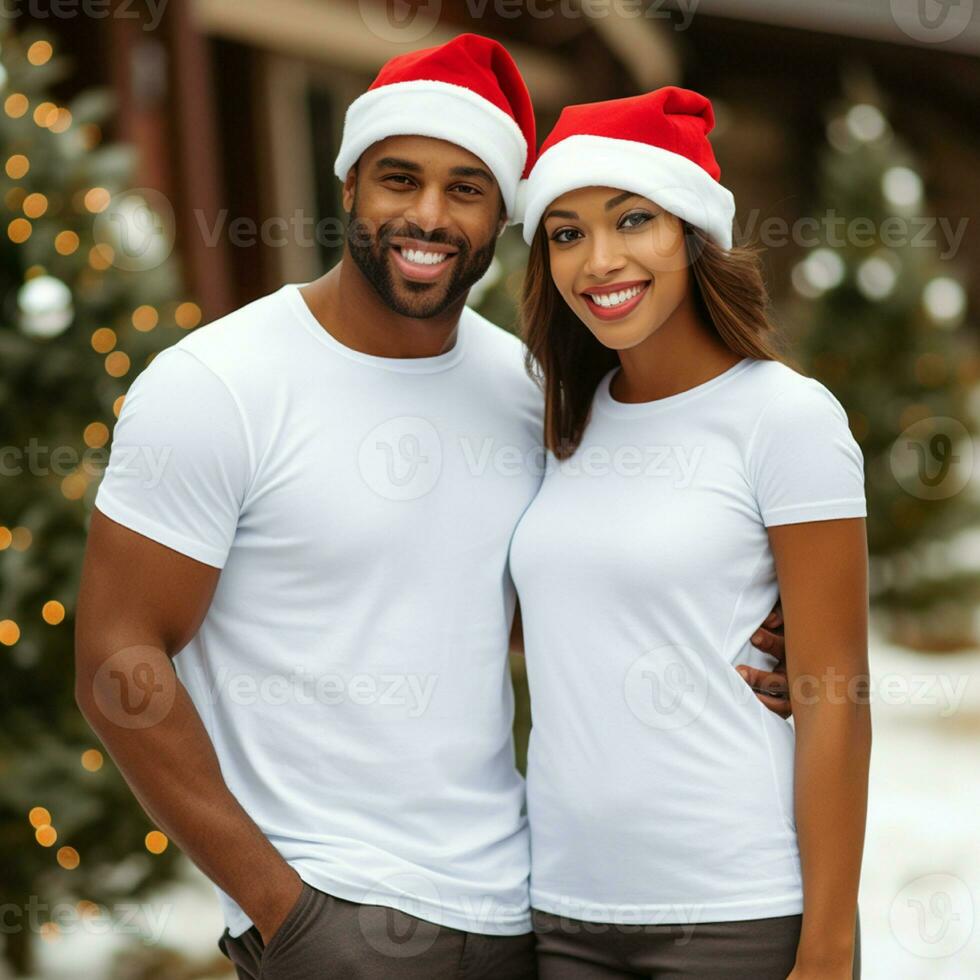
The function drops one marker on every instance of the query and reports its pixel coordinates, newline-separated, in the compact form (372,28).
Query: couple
(306,546)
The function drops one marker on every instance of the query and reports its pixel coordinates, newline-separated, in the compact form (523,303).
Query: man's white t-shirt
(660,790)
(352,668)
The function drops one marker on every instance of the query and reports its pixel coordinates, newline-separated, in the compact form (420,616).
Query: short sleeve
(803,461)
(180,460)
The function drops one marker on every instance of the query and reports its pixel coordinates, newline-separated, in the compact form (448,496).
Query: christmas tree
(885,330)
(88,291)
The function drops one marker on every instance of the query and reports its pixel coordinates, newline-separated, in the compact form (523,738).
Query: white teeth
(418,257)
(608,300)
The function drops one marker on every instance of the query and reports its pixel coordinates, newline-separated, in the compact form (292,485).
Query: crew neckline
(606,403)
(406,365)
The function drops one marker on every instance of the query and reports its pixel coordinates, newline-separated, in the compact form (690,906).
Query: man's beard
(370,253)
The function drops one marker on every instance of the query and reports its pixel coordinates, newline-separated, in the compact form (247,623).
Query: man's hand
(277,908)
(771,687)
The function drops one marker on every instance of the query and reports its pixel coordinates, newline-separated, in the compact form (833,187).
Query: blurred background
(166,162)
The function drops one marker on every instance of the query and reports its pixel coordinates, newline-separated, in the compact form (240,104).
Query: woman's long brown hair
(567,361)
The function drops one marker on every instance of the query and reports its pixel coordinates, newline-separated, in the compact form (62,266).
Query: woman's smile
(616,300)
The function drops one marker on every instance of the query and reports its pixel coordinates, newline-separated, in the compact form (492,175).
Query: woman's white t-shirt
(660,790)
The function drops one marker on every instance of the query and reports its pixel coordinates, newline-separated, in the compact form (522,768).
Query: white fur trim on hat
(672,181)
(439,110)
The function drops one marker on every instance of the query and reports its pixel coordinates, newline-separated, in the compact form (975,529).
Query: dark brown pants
(756,949)
(326,937)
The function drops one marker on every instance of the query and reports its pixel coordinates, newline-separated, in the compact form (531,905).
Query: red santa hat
(467,91)
(654,144)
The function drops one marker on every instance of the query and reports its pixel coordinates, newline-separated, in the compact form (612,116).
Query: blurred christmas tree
(884,317)
(86,286)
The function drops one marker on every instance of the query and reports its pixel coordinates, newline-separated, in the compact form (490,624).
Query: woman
(689,462)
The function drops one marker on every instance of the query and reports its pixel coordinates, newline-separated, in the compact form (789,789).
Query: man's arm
(770,686)
(139,604)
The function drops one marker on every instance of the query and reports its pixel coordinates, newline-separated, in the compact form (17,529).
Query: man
(311,503)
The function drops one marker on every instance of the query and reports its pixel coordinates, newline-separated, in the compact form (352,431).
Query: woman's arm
(823,581)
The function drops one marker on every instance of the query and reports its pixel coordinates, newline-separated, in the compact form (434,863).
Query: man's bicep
(135,590)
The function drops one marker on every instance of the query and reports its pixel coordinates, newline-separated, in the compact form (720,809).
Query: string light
(53,612)
(92,760)
(101,256)
(66,243)
(39,53)
(188,315)
(46,835)
(145,318)
(16,105)
(35,205)
(5,538)
(68,858)
(156,842)
(74,485)
(96,435)
(117,364)
(39,817)
(17,166)
(45,114)
(97,199)
(61,122)
(22,538)
(19,230)
(9,632)
(103,340)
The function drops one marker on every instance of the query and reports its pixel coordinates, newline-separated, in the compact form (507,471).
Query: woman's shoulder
(776,387)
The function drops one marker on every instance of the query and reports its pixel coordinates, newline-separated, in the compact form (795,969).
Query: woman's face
(618,260)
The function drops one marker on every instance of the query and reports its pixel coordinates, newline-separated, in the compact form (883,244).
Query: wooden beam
(337,34)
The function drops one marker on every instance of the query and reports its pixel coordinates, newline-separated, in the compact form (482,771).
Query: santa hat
(467,91)
(654,144)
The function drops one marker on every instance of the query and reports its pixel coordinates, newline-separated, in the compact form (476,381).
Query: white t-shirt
(660,790)
(352,669)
